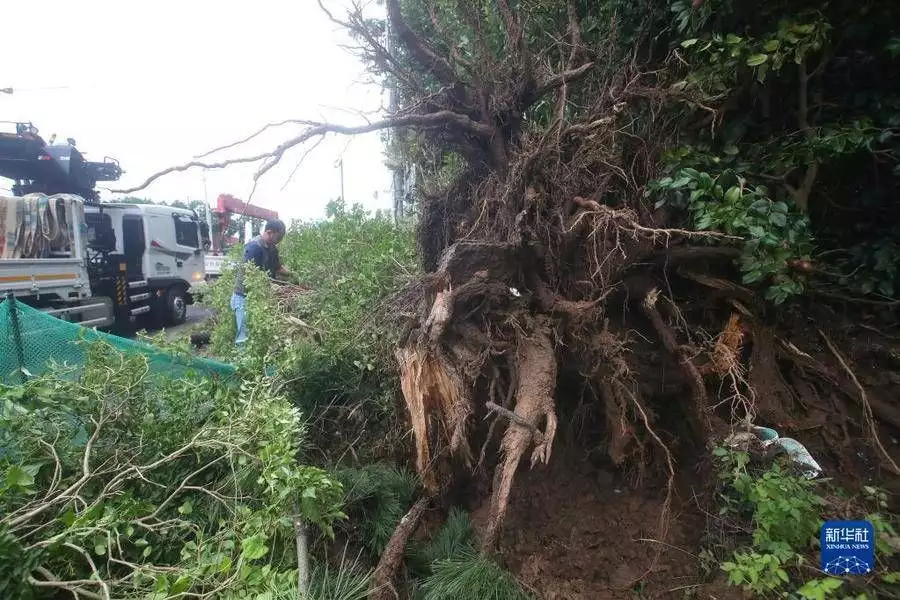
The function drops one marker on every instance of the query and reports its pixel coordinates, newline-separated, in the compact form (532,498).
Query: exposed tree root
(534,405)
(775,398)
(385,573)
(700,402)
(863,400)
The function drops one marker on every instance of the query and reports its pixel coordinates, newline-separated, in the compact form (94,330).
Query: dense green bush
(783,514)
(800,102)
(331,345)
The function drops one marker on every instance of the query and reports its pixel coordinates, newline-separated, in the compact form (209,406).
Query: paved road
(195,315)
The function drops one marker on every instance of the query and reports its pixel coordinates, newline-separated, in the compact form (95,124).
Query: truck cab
(162,249)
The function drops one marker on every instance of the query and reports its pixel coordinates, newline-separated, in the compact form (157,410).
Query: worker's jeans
(240,316)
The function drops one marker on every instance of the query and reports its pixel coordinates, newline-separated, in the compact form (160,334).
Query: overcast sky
(155,83)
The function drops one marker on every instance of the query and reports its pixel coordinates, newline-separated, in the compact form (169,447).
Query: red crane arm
(226,205)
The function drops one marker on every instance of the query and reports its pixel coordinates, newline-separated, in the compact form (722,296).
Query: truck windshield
(186,232)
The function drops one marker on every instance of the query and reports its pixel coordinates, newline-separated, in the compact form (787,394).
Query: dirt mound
(574,531)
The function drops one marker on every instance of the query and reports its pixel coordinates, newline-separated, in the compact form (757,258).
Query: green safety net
(31,341)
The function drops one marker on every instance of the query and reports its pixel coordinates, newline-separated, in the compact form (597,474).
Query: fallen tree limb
(383,579)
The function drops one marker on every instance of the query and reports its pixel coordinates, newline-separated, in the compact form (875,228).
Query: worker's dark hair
(276,225)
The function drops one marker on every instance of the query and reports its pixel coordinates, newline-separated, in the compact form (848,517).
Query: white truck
(101,263)
(65,252)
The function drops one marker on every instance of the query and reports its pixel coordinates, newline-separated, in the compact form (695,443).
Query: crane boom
(227,205)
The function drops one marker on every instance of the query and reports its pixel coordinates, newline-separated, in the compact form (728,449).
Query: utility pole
(398,183)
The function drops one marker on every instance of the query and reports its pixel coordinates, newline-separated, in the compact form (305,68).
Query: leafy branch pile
(328,340)
(119,486)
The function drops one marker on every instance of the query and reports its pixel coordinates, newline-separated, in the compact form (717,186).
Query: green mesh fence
(30,341)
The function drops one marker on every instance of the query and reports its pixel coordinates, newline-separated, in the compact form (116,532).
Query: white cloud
(152,84)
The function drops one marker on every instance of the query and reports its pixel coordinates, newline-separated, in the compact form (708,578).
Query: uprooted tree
(614,186)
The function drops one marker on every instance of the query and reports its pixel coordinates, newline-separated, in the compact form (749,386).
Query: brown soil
(575,531)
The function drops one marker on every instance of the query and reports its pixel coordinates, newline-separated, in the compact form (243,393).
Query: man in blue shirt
(263,252)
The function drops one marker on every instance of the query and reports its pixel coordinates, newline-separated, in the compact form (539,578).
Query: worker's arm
(280,269)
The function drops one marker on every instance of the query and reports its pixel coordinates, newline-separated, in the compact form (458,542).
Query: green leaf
(68,517)
(181,585)
(733,194)
(728,178)
(186,508)
(756,60)
(771,45)
(752,276)
(147,551)
(777,218)
(254,547)
(17,476)
(100,549)
(689,43)
(733,39)
(760,206)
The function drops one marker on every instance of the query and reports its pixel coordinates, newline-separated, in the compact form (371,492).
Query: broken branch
(273,157)
(511,416)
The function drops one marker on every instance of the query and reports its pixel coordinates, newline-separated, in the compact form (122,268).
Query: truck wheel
(176,306)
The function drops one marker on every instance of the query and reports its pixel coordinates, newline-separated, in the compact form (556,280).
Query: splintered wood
(430,394)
